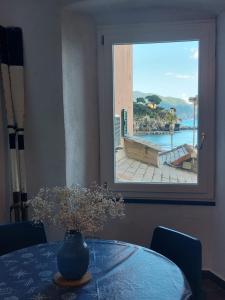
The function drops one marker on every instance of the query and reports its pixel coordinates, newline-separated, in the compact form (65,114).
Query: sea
(179,137)
(189,122)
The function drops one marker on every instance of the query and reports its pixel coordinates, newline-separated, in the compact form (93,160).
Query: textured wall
(80,99)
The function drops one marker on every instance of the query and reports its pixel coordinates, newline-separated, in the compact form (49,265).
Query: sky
(166,69)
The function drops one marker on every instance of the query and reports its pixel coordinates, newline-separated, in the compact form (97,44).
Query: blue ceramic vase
(73,256)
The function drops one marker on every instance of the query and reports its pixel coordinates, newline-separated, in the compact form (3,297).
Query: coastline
(160,132)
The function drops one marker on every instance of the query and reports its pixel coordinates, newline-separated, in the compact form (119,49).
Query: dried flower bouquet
(76,208)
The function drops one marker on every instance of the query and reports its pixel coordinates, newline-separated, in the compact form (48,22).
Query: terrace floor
(130,170)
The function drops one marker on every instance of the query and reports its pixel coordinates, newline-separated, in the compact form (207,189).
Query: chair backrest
(184,250)
(20,235)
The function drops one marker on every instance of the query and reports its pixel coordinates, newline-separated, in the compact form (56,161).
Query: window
(157,110)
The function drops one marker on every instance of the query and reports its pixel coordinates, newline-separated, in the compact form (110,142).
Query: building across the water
(123,93)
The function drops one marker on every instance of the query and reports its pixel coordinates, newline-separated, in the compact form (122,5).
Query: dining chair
(185,251)
(20,235)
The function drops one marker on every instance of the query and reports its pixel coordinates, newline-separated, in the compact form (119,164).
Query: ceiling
(213,7)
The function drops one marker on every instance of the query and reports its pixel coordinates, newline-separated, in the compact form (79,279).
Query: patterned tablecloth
(120,271)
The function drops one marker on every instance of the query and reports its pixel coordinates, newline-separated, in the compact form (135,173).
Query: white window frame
(204,32)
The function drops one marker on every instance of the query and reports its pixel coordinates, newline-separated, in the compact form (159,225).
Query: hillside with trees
(184,110)
(150,116)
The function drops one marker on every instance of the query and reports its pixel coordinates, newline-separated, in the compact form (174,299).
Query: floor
(130,170)
(212,290)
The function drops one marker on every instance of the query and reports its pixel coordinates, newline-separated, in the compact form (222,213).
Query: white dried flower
(77,208)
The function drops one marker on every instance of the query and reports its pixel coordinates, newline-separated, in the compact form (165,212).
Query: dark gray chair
(20,235)
(185,251)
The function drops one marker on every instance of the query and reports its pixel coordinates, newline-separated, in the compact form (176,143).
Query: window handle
(203,135)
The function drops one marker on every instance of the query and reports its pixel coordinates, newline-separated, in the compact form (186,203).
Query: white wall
(80,98)
(44,126)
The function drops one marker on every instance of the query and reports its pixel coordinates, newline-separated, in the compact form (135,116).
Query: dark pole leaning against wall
(12,71)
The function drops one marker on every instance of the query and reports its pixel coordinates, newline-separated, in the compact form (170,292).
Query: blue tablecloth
(120,271)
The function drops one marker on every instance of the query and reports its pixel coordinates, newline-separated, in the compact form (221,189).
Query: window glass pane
(156,112)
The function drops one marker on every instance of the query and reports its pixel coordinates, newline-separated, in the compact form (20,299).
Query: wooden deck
(130,170)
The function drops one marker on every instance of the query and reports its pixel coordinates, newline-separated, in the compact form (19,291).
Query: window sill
(170,202)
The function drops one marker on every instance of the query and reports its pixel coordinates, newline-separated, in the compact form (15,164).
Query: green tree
(140,100)
(171,119)
(154,99)
(141,110)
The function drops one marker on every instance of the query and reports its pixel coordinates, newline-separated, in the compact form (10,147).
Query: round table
(119,271)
